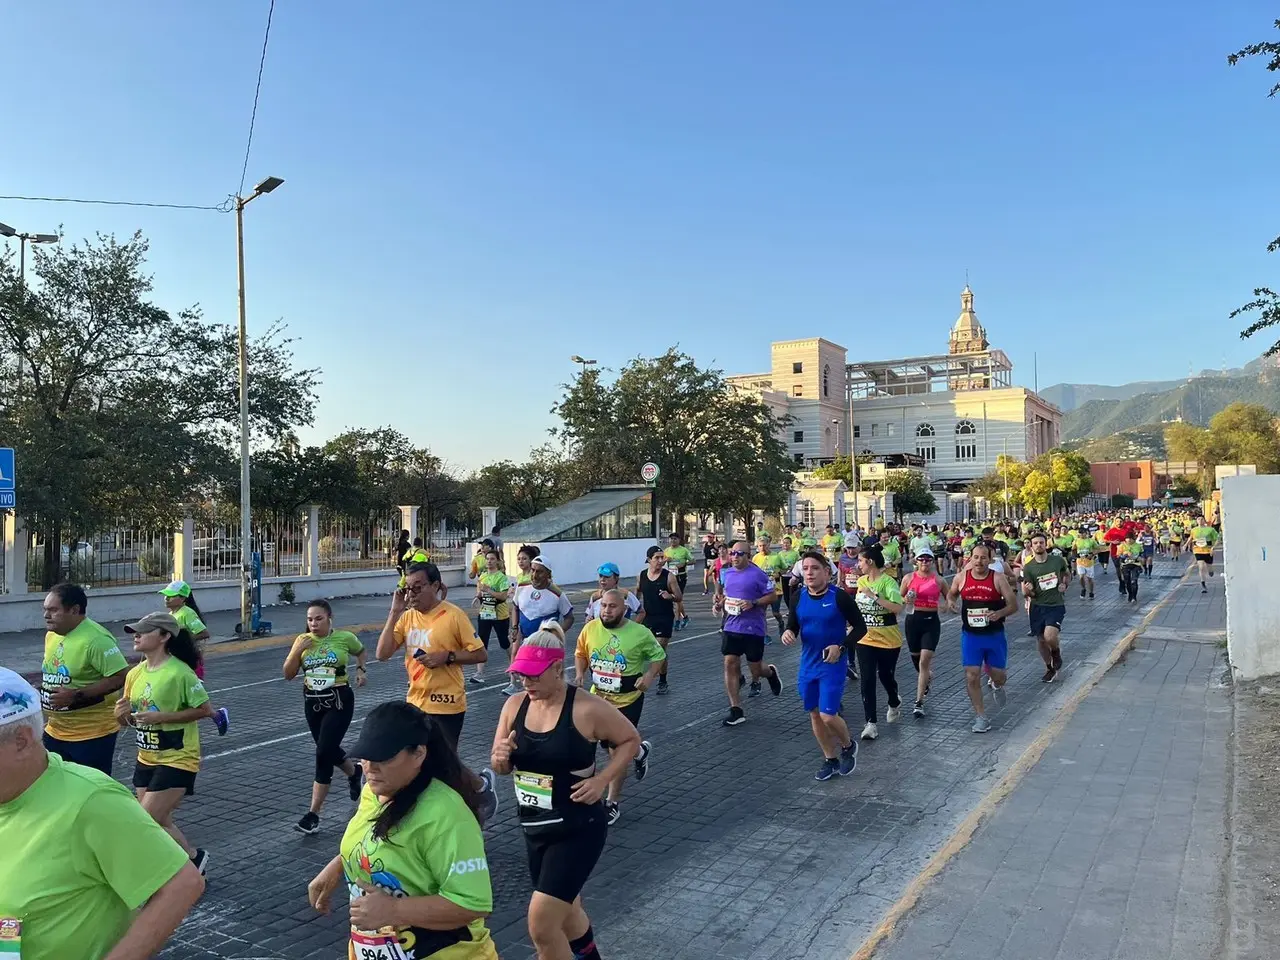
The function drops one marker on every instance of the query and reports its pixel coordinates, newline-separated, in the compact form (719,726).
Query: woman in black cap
(413,856)
(546,739)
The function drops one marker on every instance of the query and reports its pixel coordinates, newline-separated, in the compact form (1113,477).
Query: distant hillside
(1072,396)
(1196,402)
(1140,443)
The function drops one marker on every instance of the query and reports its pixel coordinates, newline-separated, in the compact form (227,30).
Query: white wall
(576,561)
(1251,543)
(23,611)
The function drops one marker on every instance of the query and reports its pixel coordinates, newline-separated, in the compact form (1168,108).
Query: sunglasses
(737,553)
(417,588)
(924,559)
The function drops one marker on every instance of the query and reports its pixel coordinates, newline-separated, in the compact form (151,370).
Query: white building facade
(956,412)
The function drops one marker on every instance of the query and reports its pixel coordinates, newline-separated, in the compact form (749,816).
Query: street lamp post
(585,363)
(853,460)
(23,238)
(246,533)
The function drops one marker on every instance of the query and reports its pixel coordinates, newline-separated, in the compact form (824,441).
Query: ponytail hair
(183,646)
(550,635)
(190,601)
(874,553)
(441,763)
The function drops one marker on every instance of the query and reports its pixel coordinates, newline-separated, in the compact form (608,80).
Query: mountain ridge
(1071,396)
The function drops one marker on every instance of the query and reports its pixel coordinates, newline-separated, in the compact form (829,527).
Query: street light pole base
(264,630)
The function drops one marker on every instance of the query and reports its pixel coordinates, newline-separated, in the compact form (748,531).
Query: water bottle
(910,607)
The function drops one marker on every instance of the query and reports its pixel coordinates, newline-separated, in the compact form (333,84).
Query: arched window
(925,442)
(826,376)
(827,445)
(966,440)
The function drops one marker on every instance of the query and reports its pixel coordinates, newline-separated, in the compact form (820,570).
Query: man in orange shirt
(438,640)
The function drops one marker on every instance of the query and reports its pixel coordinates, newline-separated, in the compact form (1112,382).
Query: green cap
(177,588)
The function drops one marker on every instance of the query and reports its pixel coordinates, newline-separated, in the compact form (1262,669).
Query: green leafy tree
(1266,303)
(1241,433)
(717,449)
(1036,491)
(120,407)
(911,493)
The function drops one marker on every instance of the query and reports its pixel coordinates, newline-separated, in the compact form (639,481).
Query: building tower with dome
(968,337)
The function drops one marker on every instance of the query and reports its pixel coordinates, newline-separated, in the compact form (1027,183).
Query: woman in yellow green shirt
(181,602)
(879,601)
(493,587)
(164,701)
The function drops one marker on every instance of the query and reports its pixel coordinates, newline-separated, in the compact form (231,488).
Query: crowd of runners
(105,875)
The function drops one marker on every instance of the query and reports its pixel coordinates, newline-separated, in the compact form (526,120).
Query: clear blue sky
(477,190)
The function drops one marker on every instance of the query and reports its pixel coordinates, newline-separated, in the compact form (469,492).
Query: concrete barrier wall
(23,611)
(1251,548)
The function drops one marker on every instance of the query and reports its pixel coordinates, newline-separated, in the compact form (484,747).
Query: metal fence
(125,556)
(347,543)
(447,548)
(281,539)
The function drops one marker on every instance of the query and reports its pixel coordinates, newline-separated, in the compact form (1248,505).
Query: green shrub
(286,593)
(155,561)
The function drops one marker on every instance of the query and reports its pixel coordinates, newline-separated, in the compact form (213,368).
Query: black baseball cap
(389,728)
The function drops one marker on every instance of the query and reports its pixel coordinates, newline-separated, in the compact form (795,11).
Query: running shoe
(476,679)
(918,709)
(511,689)
(755,689)
(735,717)
(1203,588)
(767,639)
(615,811)
(869,732)
(201,860)
(999,696)
(830,768)
(222,720)
(677,625)
(775,681)
(892,714)
(1082,593)
(309,824)
(354,782)
(488,795)
(662,687)
(684,622)
(1049,675)
(642,760)
(851,673)
(849,759)
(1057,661)
(981,725)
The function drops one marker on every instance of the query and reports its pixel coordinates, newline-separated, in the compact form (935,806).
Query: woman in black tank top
(546,739)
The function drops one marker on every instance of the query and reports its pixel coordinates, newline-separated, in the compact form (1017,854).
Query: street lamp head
(6,230)
(576,359)
(267,185)
(45,238)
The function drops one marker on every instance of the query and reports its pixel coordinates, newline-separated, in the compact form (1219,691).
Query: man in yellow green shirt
(98,876)
(81,676)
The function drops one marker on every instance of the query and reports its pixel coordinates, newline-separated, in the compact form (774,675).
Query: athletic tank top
(543,766)
(657,609)
(848,571)
(977,599)
(927,592)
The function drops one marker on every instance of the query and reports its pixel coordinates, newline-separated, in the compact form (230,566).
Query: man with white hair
(99,878)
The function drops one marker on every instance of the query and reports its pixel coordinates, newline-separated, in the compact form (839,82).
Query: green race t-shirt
(189,619)
(1203,539)
(498,582)
(789,558)
(1043,577)
(892,553)
(83,657)
(1064,543)
(89,856)
(324,663)
(169,688)
(436,850)
(882,624)
(679,557)
(616,657)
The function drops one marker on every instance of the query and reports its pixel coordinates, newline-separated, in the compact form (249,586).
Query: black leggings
(501,627)
(878,662)
(1129,574)
(328,718)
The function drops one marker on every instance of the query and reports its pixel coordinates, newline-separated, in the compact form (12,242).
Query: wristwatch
(450,658)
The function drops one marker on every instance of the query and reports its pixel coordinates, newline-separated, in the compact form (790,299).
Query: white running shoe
(869,732)
(892,714)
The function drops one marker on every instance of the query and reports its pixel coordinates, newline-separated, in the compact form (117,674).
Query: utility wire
(256,90)
(226,206)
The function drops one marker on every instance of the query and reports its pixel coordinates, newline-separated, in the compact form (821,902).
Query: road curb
(1006,785)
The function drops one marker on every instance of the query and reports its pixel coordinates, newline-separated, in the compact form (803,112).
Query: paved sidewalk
(1113,844)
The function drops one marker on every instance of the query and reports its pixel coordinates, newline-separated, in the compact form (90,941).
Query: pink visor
(532,661)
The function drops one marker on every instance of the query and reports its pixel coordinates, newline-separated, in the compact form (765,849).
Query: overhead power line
(226,206)
(256,90)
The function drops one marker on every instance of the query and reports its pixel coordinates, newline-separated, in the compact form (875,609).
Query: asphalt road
(729,849)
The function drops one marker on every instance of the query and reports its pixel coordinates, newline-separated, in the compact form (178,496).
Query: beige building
(952,413)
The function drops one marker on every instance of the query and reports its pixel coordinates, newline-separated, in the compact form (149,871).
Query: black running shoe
(755,689)
(735,717)
(775,681)
(663,689)
(830,768)
(1049,675)
(201,860)
(488,795)
(642,760)
(615,811)
(354,783)
(309,824)
(1057,660)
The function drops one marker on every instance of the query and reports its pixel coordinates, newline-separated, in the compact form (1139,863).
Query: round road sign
(649,472)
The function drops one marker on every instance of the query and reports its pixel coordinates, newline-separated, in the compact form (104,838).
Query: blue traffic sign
(8,490)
